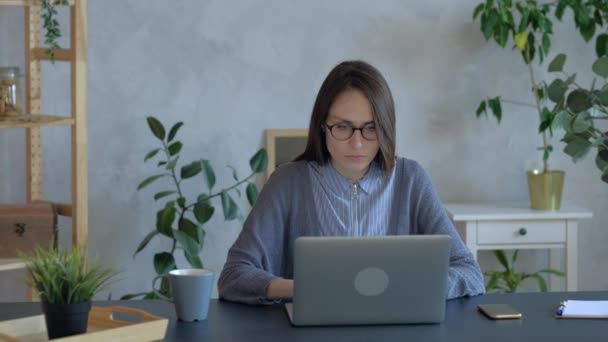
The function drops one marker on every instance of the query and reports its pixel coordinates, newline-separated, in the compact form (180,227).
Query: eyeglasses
(343,131)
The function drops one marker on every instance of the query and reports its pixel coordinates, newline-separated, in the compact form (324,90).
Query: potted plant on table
(530,24)
(66,287)
(181,220)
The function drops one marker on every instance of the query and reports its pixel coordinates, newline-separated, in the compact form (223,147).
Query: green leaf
(229,206)
(163,262)
(145,241)
(514,257)
(209,174)
(561,121)
(151,154)
(556,90)
(190,228)
(546,119)
(203,211)
(162,194)
(501,257)
(601,45)
(600,67)
(478,10)
(156,127)
(553,272)
(603,96)
(601,160)
(259,161)
(493,282)
(165,218)
(161,163)
(191,170)
(542,285)
(546,43)
(174,130)
(252,193)
(148,181)
(577,148)
(481,109)
(175,148)
(172,163)
(489,23)
(496,108)
(189,244)
(521,39)
(194,260)
(582,122)
(234,175)
(181,202)
(523,23)
(557,64)
(578,101)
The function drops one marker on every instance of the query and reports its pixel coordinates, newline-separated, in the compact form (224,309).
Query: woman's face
(351,157)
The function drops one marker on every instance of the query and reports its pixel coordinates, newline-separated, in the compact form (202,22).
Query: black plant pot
(66,319)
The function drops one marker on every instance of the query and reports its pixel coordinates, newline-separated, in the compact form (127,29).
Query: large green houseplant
(66,285)
(530,25)
(582,108)
(182,220)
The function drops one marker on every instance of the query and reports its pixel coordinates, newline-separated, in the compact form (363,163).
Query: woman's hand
(280,289)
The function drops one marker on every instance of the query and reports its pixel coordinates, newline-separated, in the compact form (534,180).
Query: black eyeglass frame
(352,132)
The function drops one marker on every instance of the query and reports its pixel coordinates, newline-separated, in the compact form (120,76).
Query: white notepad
(585,309)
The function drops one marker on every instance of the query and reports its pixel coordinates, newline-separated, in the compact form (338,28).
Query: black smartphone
(499,311)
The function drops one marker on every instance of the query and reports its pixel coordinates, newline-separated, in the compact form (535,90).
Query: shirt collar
(331,178)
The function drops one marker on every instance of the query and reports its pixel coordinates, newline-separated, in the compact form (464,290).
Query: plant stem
(537,98)
(179,191)
(224,190)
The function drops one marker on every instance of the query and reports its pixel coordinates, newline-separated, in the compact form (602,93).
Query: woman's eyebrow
(335,118)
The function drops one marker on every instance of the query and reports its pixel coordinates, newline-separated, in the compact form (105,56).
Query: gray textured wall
(230,69)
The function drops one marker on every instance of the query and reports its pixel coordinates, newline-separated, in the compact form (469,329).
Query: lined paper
(586,308)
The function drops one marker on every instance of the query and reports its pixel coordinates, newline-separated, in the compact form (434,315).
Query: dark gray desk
(235,322)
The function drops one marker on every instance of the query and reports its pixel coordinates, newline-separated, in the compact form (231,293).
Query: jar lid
(9,72)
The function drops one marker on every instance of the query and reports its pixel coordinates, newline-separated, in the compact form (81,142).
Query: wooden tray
(102,327)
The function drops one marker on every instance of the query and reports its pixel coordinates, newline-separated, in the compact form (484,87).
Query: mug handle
(156,292)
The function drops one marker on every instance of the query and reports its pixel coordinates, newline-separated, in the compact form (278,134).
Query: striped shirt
(307,199)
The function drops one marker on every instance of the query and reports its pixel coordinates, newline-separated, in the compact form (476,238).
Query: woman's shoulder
(406,166)
(290,173)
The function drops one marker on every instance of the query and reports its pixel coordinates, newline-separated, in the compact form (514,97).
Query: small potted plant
(66,286)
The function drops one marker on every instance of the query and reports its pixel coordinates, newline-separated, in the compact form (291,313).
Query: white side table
(489,226)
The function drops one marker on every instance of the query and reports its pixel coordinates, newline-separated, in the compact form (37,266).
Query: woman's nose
(357,139)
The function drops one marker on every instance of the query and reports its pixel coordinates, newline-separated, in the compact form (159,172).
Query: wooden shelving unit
(33,123)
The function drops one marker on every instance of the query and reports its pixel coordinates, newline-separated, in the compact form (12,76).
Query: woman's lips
(355,157)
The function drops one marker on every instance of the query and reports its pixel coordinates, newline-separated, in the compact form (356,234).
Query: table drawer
(506,232)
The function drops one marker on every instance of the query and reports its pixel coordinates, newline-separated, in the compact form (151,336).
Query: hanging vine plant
(50,25)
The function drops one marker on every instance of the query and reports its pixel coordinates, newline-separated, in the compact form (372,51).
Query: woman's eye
(343,126)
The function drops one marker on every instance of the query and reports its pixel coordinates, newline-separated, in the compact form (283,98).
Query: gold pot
(545,189)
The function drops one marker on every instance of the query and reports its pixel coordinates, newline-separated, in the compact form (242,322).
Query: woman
(347,182)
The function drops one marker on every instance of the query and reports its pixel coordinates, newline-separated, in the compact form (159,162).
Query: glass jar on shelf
(10,92)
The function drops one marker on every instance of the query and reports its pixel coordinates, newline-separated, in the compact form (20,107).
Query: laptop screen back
(370,280)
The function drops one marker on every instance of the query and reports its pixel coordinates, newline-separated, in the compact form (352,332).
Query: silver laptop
(369,280)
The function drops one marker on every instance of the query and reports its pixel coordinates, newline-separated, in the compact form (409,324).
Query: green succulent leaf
(579,100)
(496,108)
(145,241)
(209,174)
(191,170)
(600,67)
(149,181)
(577,148)
(582,122)
(156,127)
(557,64)
(502,258)
(561,121)
(174,130)
(556,90)
(259,161)
(151,154)
(163,262)
(481,109)
(542,284)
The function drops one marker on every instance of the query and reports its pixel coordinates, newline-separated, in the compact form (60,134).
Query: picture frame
(283,145)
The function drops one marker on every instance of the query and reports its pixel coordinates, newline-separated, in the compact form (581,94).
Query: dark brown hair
(364,77)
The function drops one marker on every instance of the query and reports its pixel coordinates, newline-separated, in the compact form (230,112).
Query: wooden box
(23,226)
